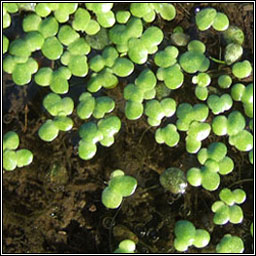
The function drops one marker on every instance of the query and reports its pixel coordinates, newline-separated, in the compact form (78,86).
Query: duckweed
(92,133)
(224,81)
(232,53)
(172,76)
(227,209)
(242,93)
(230,244)
(167,57)
(5,44)
(97,107)
(21,68)
(234,35)
(156,110)
(179,38)
(52,48)
(60,108)
(119,186)
(136,93)
(126,246)
(242,69)
(234,127)
(148,11)
(194,59)
(139,49)
(106,47)
(187,235)
(215,162)
(8,8)
(219,104)
(13,158)
(57,80)
(122,16)
(205,18)
(208,17)
(167,135)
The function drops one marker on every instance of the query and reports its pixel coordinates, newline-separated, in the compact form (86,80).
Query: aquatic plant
(91,133)
(13,158)
(230,244)
(174,180)
(233,52)
(234,127)
(242,93)
(21,68)
(202,80)
(8,8)
(187,235)
(215,162)
(242,69)
(126,246)
(119,186)
(224,81)
(57,80)
(191,119)
(101,47)
(97,107)
(156,110)
(227,209)
(194,59)
(167,135)
(219,104)
(148,11)
(208,17)
(60,108)
(143,88)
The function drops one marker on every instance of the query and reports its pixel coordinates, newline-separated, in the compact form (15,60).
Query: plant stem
(240,181)
(217,61)
(110,230)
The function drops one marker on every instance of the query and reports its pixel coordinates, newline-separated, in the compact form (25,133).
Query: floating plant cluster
(122,41)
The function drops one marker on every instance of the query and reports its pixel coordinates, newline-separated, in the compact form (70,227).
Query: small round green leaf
(52,48)
(24,157)
(48,131)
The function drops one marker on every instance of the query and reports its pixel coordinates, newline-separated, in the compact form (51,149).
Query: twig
(111,225)
(26,119)
(184,9)
(241,181)
(141,137)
